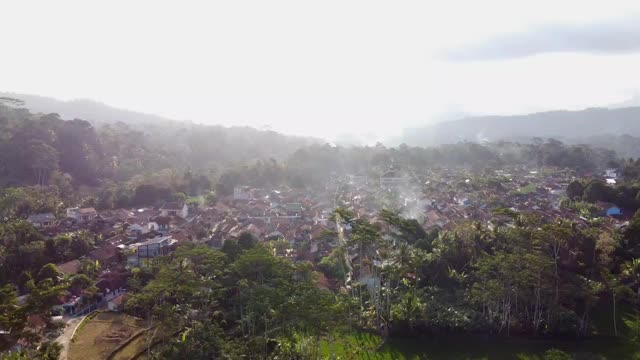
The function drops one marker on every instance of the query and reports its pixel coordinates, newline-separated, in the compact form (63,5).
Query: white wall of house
(75,213)
(240,193)
(183,213)
(153,226)
(392,182)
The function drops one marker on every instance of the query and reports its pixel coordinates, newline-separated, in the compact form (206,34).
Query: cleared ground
(138,345)
(99,336)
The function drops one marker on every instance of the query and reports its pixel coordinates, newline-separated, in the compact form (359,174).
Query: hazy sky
(324,67)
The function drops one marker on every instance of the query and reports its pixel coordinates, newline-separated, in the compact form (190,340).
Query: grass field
(136,345)
(102,334)
(364,346)
(527,189)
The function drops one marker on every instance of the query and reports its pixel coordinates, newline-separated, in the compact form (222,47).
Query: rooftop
(83,211)
(390,174)
(104,253)
(118,300)
(71,267)
(172,206)
(39,218)
(293,206)
(161,220)
(155,240)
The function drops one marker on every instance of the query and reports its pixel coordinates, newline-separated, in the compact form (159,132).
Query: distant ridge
(557,124)
(85,109)
(99,113)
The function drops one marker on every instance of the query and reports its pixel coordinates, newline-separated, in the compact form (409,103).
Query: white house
(293,209)
(241,193)
(135,230)
(358,179)
(42,220)
(82,214)
(174,209)
(117,303)
(161,224)
(392,179)
(155,247)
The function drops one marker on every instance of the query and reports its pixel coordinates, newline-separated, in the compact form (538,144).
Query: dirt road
(65,338)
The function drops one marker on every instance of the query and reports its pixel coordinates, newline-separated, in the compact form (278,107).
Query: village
(298,220)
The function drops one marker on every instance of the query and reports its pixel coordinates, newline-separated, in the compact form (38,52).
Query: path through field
(65,338)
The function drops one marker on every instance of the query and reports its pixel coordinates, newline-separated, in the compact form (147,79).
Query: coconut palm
(631,271)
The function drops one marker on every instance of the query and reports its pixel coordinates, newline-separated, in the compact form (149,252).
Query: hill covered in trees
(121,144)
(96,112)
(573,126)
(123,164)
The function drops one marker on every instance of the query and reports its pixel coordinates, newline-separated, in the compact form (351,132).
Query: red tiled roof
(104,253)
(161,220)
(180,237)
(36,322)
(172,206)
(322,281)
(112,280)
(70,268)
(119,300)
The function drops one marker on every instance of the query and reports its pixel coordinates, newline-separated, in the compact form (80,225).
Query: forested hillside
(96,112)
(118,164)
(577,126)
(35,146)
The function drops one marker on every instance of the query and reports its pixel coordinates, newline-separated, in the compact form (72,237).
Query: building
(392,179)
(463,201)
(82,214)
(611,173)
(241,193)
(70,268)
(614,211)
(174,209)
(161,224)
(117,303)
(105,255)
(155,247)
(609,209)
(293,209)
(433,219)
(42,220)
(358,180)
(135,230)
(112,283)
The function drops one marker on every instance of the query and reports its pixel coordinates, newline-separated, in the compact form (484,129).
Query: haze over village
(341,180)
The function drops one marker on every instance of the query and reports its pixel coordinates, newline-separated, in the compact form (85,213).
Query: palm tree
(402,258)
(631,271)
(409,309)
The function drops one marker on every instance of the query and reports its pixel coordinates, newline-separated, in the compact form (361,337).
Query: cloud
(620,37)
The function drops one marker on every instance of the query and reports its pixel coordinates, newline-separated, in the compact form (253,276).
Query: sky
(324,68)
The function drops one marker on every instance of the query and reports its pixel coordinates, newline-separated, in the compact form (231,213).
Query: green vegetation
(468,281)
(528,189)
(510,282)
(456,347)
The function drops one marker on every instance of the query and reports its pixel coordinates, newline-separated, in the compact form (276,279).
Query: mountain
(632,101)
(563,125)
(92,141)
(159,127)
(93,111)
